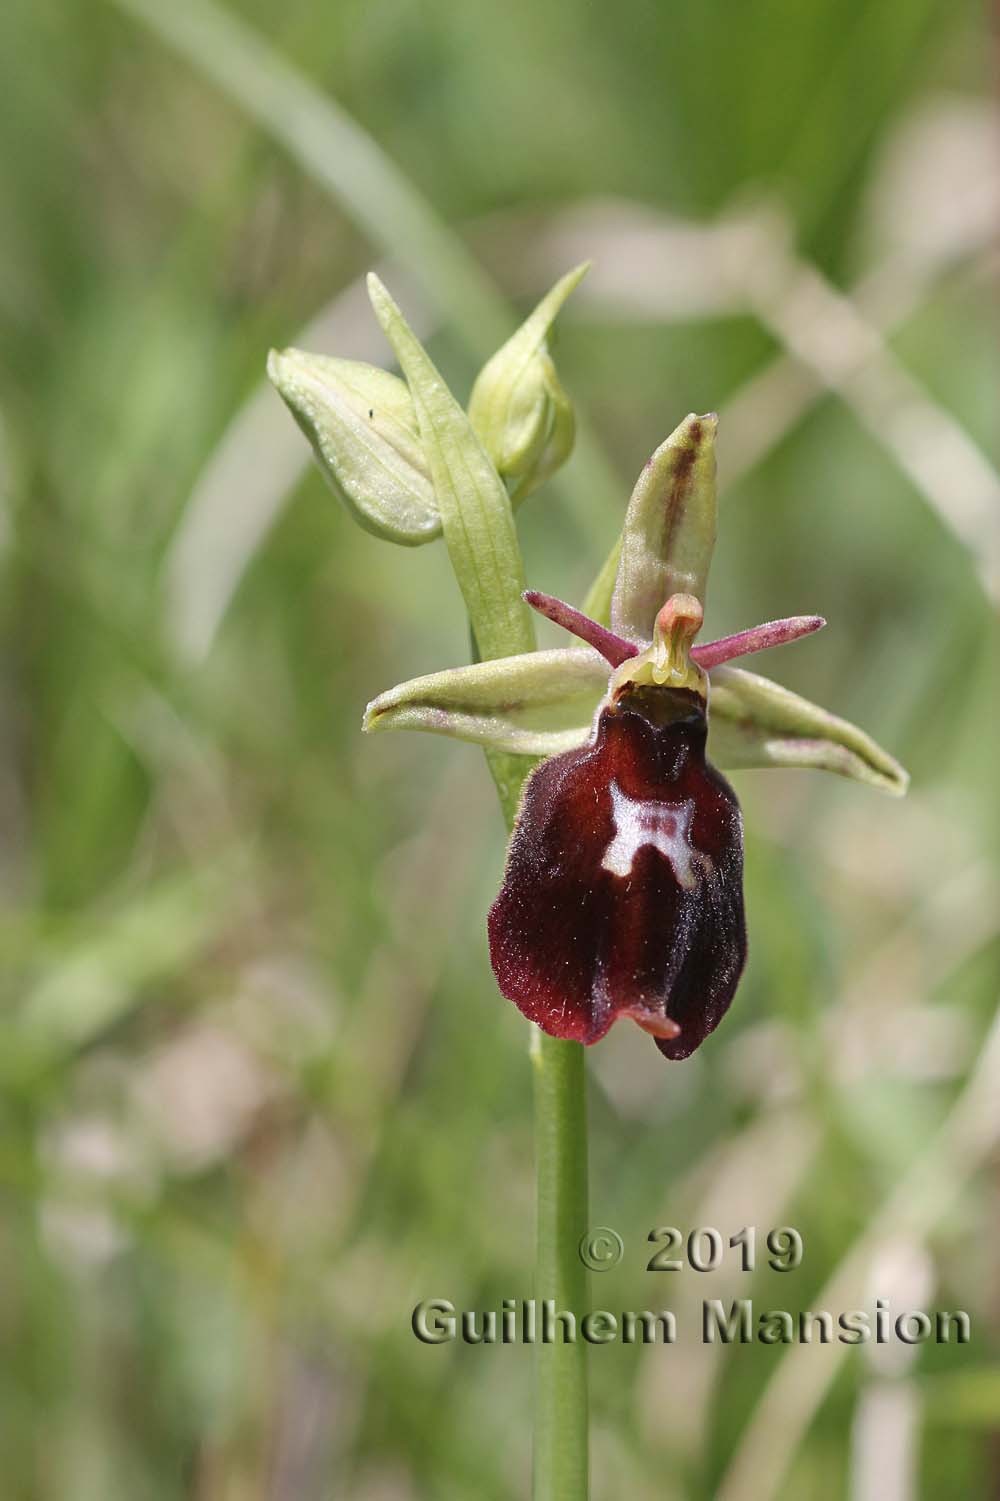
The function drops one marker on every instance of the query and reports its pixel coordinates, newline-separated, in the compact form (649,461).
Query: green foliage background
(257,1093)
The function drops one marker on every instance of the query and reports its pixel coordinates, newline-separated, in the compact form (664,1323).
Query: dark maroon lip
(623,893)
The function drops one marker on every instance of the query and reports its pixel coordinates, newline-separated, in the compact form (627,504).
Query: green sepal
(544,702)
(362,426)
(754,722)
(669,531)
(536,704)
(475,510)
(518,406)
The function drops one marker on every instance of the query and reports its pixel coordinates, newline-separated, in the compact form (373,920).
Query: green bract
(472,502)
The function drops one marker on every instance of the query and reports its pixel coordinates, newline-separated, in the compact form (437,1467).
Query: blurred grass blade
(105,972)
(964,1399)
(333,149)
(922,1199)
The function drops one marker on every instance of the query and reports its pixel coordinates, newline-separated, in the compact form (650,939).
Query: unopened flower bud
(520,412)
(363,429)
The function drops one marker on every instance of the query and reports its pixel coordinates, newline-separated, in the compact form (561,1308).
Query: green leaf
(518,407)
(754,722)
(475,510)
(537,704)
(669,530)
(362,425)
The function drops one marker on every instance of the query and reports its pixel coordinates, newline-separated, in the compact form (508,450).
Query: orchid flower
(623,892)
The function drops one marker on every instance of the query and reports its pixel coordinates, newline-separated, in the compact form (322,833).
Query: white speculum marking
(666,826)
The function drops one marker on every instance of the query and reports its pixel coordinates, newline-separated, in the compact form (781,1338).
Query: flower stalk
(560,1461)
(623,892)
(561,1443)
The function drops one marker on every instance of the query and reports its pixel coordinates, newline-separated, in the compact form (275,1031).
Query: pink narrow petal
(614,649)
(757,638)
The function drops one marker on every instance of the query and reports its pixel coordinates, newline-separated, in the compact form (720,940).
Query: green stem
(561,1456)
(560,1468)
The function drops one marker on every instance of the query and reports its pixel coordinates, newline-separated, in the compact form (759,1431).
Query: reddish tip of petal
(757,638)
